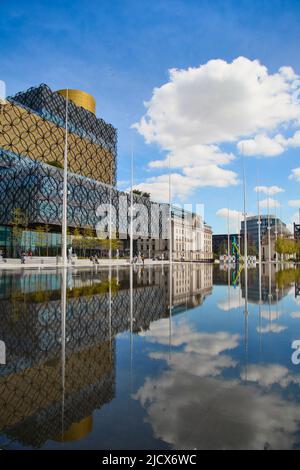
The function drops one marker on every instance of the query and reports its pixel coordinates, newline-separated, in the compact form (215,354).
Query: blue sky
(121,50)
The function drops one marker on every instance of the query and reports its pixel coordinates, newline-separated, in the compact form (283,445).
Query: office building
(252,228)
(191,239)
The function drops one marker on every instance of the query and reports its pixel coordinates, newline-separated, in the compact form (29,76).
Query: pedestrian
(143,259)
(23,257)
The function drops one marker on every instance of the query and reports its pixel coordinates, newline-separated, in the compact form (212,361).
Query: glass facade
(35,189)
(252,227)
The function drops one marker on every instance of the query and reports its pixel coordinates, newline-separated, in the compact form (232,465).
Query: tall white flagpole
(110,218)
(269,229)
(131,208)
(63,344)
(276,232)
(170,261)
(228,236)
(245,217)
(170,215)
(246,269)
(65,191)
(259,225)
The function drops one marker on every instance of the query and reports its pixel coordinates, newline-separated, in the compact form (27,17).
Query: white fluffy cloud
(192,412)
(232,215)
(294,203)
(269,190)
(207,344)
(295,175)
(269,203)
(185,157)
(265,146)
(271,328)
(232,300)
(199,108)
(183,184)
(270,315)
(200,365)
(260,145)
(218,102)
(269,374)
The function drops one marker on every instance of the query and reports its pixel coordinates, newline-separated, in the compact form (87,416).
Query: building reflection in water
(2,353)
(266,284)
(58,331)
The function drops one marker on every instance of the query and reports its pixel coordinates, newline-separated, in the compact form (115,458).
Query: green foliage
(287,277)
(77,240)
(287,246)
(20,299)
(113,244)
(141,193)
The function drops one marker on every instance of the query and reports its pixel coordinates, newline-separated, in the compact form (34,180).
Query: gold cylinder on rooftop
(77,431)
(80,98)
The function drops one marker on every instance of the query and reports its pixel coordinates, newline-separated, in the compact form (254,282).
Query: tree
(286,246)
(111,244)
(19,222)
(141,193)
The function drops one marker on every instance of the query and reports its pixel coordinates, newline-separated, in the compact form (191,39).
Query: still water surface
(126,359)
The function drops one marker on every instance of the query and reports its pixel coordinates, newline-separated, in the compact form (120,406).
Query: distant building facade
(252,228)
(191,239)
(220,243)
(297,236)
(208,251)
(266,252)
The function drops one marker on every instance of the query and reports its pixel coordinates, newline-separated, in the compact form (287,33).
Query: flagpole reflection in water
(245,266)
(110,312)
(259,307)
(170,307)
(170,260)
(131,325)
(229,286)
(63,343)
(270,295)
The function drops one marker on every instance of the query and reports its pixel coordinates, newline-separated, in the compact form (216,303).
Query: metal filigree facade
(32,142)
(33,125)
(36,188)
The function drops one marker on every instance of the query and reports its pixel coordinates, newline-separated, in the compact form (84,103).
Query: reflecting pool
(154,358)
